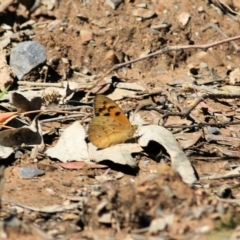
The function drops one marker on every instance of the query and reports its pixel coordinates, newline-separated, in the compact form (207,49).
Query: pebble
(18,154)
(26,56)
(142,5)
(72,191)
(162,100)
(29,172)
(165,11)
(197,34)
(234,76)
(184,18)
(213,130)
(67,184)
(226,165)
(65,60)
(203,65)
(111,57)
(176,8)
(200,9)
(143,13)
(86,36)
(80,178)
(113,3)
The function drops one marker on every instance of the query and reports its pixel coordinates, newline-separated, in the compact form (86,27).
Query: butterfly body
(109,126)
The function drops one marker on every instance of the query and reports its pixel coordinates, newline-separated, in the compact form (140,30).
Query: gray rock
(113,3)
(29,172)
(26,56)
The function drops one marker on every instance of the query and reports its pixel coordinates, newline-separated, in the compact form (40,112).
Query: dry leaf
(6,116)
(30,135)
(71,145)
(25,105)
(120,154)
(165,138)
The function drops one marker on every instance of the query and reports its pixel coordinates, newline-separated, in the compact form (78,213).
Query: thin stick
(203,47)
(217,177)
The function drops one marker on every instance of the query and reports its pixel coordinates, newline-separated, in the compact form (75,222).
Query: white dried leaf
(120,154)
(71,145)
(161,135)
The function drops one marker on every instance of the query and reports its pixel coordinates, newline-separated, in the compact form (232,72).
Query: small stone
(67,184)
(29,172)
(213,130)
(65,60)
(79,178)
(226,165)
(162,100)
(113,3)
(26,56)
(111,57)
(234,76)
(200,9)
(184,18)
(203,65)
(176,8)
(18,154)
(142,5)
(165,11)
(86,36)
(143,13)
(72,191)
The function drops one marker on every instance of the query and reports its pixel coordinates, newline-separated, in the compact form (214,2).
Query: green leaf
(4,91)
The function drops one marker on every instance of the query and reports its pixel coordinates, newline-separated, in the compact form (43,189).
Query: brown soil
(136,199)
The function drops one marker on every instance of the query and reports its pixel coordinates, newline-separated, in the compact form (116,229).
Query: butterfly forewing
(104,106)
(110,126)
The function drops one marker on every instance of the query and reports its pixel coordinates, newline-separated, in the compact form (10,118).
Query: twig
(166,49)
(203,124)
(233,201)
(211,96)
(47,209)
(38,84)
(214,26)
(50,111)
(62,118)
(185,113)
(217,177)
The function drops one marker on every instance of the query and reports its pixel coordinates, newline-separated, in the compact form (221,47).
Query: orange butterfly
(109,126)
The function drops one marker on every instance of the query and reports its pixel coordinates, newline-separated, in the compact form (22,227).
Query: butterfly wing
(104,106)
(105,131)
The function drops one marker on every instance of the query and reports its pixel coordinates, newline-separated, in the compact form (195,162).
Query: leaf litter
(192,93)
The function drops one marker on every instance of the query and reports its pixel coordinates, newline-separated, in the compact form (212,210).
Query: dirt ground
(150,201)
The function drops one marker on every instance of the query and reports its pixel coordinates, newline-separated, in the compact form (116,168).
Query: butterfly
(109,126)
